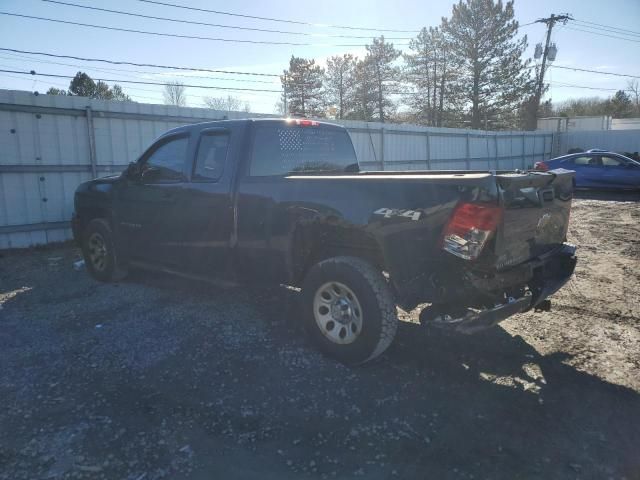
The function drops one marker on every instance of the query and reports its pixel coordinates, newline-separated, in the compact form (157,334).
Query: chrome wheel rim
(338,313)
(97,251)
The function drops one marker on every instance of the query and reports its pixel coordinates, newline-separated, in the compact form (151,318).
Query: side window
(212,156)
(167,160)
(612,162)
(593,161)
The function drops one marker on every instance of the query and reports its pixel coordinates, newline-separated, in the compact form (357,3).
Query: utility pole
(550,22)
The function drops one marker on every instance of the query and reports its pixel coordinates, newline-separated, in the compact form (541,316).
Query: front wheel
(99,251)
(349,310)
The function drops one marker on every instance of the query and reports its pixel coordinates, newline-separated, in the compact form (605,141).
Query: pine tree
(380,58)
(493,80)
(364,95)
(429,72)
(340,82)
(303,87)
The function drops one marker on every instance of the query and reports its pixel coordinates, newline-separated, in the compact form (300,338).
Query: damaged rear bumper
(548,274)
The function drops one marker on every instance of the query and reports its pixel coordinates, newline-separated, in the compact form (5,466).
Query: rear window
(280,149)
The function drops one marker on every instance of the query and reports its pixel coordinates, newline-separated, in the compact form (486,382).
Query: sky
(581,49)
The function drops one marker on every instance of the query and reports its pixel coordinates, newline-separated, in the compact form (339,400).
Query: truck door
(202,217)
(146,202)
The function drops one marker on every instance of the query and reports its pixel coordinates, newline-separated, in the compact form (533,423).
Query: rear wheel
(349,310)
(99,251)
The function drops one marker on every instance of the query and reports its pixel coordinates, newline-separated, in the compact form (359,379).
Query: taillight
(541,166)
(470,228)
(306,123)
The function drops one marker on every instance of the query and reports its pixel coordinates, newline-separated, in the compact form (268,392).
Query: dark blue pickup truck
(284,202)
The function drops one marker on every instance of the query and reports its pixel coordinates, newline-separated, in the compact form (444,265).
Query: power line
(271,19)
(610,27)
(196,69)
(21,58)
(609,30)
(217,25)
(562,84)
(151,65)
(176,35)
(33,72)
(603,34)
(595,71)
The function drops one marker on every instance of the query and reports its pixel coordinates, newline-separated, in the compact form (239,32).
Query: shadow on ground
(160,377)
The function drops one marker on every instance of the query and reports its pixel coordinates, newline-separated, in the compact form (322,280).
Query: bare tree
(175,94)
(227,103)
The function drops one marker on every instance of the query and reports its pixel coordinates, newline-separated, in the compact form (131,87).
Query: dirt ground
(159,377)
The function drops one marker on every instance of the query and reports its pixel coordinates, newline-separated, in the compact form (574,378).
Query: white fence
(50,144)
(613,140)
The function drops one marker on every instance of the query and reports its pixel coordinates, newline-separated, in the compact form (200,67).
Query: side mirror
(133,171)
(150,174)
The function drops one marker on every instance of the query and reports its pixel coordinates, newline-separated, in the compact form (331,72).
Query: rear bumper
(554,271)
(544,276)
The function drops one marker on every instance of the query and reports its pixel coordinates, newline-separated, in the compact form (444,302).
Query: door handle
(167,195)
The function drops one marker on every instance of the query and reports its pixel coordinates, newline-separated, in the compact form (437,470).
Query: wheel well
(89,213)
(311,247)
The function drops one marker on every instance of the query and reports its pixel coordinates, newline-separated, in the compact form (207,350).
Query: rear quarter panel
(281,219)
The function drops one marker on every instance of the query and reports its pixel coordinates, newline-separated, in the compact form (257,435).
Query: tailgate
(536,214)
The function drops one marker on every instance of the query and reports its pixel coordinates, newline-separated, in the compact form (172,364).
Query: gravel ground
(159,377)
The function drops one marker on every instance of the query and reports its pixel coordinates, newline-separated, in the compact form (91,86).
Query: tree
(302,84)
(580,107)
(56,91)
(493,77)
(175,94)
(381,57)
(340,82)
(364,101)
(84,86)
(228,104)
(118,94)
(429,73)
(621,105)
(633,87)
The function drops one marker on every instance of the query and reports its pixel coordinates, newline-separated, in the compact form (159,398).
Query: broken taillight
(470,228)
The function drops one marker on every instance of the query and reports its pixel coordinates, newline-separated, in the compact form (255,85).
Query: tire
(348,309)
(100,253)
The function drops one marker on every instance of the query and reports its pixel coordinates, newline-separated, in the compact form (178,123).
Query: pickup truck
(283,202)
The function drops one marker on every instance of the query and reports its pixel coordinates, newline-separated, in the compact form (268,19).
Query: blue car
(598,169)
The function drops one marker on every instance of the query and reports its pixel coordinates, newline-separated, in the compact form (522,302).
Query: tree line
(467,72)
(622,104)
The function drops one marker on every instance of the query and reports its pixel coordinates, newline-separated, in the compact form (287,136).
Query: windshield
(280,149)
